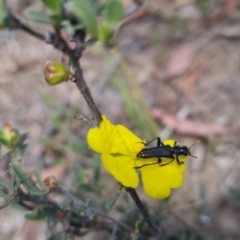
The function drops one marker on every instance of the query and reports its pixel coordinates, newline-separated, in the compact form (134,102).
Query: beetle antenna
(198,141)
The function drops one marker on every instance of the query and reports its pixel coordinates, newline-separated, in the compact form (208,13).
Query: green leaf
(96,170)
(114,12)
(3,13)
(88,212)
(69,27)
(39,179)
(113,15)
(58,236)
(106,33)
(54,5)
(34,216)
(23,176)
(37,16)
(21,142)
(100,9)
(6,185)
(110,202)
(84,11)
(134,236)
(7,202)
(54,8)
(87,202)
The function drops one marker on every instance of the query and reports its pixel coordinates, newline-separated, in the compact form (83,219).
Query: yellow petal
(154,186)
(122,169)
(159,180)
(106,138)
(169,142)
(95,140)
(133,143)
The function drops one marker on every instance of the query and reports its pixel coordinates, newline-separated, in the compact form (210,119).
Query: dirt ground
(186,59)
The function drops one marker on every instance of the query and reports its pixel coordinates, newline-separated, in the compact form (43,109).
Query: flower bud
(8,135)
(51,183)
(55,73)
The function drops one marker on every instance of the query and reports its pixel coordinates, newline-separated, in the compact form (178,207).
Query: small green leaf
(110,202)
(113,15)
(39,179)
(58,236)
(6,185)
(87,202)
(100,9)
(134,236)
(96,170)
(106,33)
(37,16)
(70,28)
(34,216)
(54,8)
(85,13)
(138,225)
(54,5)
(3,13)
(114,12)
(7,202)
(27,183)
(21,142)
(88,212)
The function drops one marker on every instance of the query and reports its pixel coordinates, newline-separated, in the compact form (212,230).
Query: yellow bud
(9,135)
(55,73)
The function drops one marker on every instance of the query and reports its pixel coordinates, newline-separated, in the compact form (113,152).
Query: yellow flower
(119,147)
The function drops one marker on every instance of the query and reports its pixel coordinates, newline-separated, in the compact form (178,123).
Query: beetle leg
(159,142)
(179,161)
(149,164)
(166,163)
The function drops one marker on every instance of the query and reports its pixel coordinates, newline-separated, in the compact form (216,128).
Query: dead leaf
(139,13)
(191,79)
(180,61)
(190,127)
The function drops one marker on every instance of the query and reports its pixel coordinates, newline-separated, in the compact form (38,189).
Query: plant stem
(155,230)
(83,88)
(74,55)
(15,23)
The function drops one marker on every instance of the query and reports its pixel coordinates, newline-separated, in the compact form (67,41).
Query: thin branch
(155,230)
(74,55)
(83,88)
(120,223)
(24,197)
(16,23)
